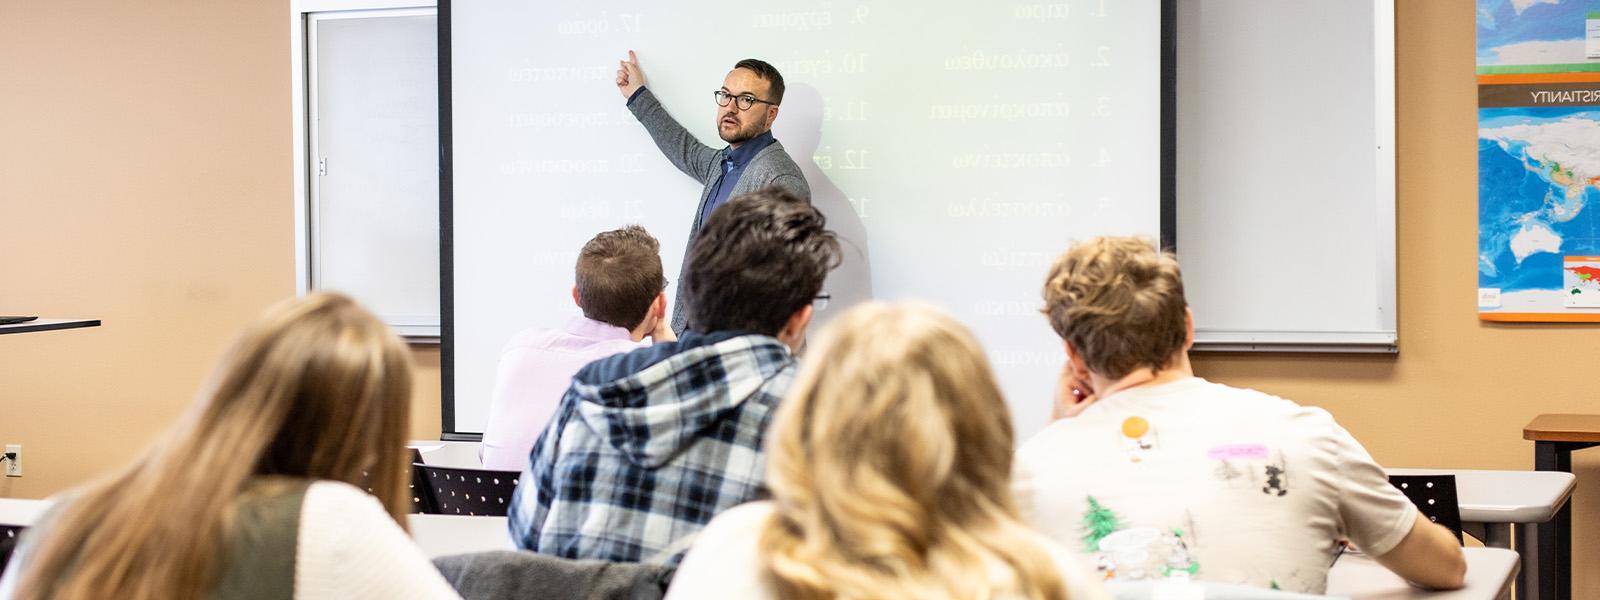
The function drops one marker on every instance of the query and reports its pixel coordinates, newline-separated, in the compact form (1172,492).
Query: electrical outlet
(14,464)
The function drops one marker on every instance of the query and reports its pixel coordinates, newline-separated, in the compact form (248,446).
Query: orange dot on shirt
(1135,427)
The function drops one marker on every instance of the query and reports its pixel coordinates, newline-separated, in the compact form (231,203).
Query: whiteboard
(956,147)
(372,218)
(1285,173)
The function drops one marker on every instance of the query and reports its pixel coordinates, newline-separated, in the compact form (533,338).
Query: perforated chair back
(479,492)
(8,543)
(1435,496)
(421,502)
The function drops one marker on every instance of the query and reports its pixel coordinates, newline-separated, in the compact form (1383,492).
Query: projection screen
(956,148)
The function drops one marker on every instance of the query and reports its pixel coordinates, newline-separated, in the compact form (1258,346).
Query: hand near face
(629,77)
(1073,394)
(662,332)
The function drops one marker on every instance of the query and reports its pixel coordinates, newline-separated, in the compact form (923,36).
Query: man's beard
(740,136)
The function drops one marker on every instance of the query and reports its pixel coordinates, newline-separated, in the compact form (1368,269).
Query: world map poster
(1538,160)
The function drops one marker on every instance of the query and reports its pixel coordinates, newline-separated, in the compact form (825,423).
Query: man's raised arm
(695,159)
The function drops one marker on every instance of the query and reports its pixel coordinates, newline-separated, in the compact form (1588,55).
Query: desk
(1489,570)
(17,511)
(1354,577)
(1554,438)
(437,535)
(462,455)
(48,325)
(1359,577)
(1497,500)
(442,535)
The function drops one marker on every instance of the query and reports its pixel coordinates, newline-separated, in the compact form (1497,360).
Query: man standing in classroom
(748,105)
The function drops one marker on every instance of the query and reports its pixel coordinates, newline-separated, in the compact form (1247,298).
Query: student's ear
(659,307)
(794,330)
(1188,326)
(1075,362)
(772,115)
(575,299)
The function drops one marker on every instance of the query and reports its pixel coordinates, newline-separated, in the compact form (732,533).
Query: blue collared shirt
(734,160)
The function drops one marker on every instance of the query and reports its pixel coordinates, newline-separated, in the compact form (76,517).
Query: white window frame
(301,109)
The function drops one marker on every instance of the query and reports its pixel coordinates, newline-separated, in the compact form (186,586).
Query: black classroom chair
(419,500)
(1435,496)
(8,543)
(481,492)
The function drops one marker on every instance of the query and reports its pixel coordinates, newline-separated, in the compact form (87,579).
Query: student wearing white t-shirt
(890,468)
(1156,473)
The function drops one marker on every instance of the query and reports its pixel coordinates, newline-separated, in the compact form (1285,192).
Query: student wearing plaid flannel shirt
(646,447)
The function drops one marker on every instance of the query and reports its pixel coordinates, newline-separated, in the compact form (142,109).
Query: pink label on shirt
(1238,451)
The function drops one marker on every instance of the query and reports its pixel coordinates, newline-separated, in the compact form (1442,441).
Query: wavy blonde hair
(890,468)
(317,388)
(1120,303)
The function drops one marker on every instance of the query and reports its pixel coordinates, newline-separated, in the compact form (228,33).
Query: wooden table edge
(1563,428)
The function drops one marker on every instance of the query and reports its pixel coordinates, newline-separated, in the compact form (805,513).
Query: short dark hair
(759,258)
(767,72)
(619,275)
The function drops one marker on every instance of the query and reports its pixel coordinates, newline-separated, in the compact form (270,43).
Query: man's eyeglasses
(745,100)
(820,301)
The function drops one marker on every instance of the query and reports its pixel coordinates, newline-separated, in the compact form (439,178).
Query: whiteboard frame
(1366,342)
(301,114)
(1386,339)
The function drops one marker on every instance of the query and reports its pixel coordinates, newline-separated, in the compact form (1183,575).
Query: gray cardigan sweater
(771,167)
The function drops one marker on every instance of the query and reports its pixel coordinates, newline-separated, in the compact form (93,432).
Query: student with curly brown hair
(1159,474)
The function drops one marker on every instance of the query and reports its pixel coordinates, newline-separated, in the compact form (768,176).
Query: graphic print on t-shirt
(1226,472)
(1267,468)
(1135,553)
(1258,486)
(1277,480)
(1233,460)
(1137,438)
(1098,522)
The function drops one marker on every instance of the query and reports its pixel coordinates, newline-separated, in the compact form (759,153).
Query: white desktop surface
(448,454)
(1505,496)
(1359,577)
(438,535)
(441,535)
(17,511)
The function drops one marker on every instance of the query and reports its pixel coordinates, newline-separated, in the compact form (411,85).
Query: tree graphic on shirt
(1098,522)
(1226,472)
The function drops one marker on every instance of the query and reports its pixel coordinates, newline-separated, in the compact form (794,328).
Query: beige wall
(144,180)
(425,407)
(145,151)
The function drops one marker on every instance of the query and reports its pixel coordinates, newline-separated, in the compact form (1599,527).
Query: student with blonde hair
(889,464)
(1159,474)
(257,491)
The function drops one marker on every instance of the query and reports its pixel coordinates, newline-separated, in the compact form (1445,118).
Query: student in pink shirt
(621,289)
